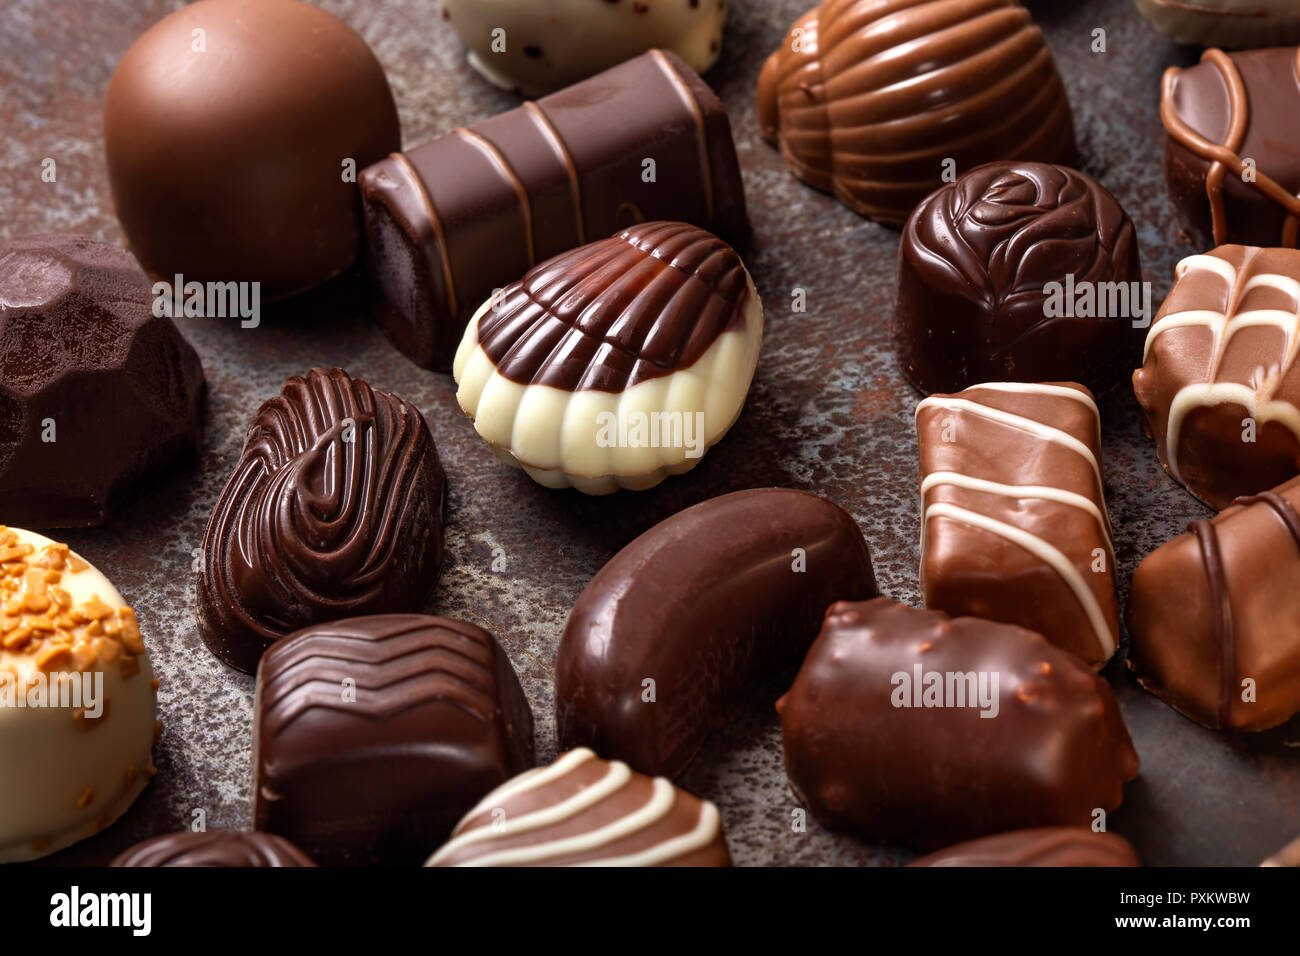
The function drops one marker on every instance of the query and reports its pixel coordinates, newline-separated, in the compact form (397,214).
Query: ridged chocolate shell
(214,848)
(1042,846)
(867,98)
(334,510)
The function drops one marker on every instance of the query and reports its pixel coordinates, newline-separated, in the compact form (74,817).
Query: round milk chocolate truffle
(233,130)
(1018,272)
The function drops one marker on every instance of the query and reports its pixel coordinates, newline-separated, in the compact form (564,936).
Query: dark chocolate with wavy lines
(334,509)
(606,316)
(214,848)
(374,735)
(976,267)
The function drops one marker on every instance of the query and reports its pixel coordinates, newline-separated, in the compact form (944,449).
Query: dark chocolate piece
(334,510)
(582,810)
(907,725)
(905,87)
(450,221)
(374,735)
(1219,385)
(96,392)
(1232,163)
(1044,846)
(683,622)
(214,848)
(1212,615)
(1014,524)
(614,313)
(992,270)
(228,151)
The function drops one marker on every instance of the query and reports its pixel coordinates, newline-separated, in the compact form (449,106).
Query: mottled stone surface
(829,412)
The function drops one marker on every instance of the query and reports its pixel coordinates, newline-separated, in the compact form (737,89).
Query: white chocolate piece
(64,776)
(561,438)
(536,47)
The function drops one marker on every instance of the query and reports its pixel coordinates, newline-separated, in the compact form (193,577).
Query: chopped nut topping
(85,798)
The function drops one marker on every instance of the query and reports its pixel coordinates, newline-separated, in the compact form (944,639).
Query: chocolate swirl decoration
(214,848)
(334,510)
(975,263)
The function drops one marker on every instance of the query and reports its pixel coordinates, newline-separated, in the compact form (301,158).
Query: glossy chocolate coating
(1217,606)
(973,262)
(334,510)
(1233,24)
(227,164)
(1230,108)
(1219,385)
(1044,846)
(614,313)
(378,771)
(868,98)
(450,221)
(76,320)
(214,848)
(1014,520)
(932,776)
(705,604)
(582,810)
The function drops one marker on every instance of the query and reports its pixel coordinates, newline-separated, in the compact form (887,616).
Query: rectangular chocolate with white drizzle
(1213,615)
(1014,525)
(1219,385)
(454,219)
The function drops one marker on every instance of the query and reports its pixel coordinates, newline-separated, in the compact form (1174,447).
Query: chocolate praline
(233,848)
(233,132)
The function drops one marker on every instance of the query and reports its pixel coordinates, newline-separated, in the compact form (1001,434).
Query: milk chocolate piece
(616,364)
(214,848)
(96,392)
(907,725)
(993,270)
(334,510)
(1289,855)
(1232,162)
(1233,24)
(1044,846)
(706,604)
(373,735)
(450,221)
(1212,615)
(1013,512)
(905,86)
(552,44)
(228,150)
(582,810)
(1219,385)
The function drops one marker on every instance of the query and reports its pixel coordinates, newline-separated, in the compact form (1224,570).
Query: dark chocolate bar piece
(1013,513)
(374,735)
(689,617)
(911,726)
(450,221)
(1212,615)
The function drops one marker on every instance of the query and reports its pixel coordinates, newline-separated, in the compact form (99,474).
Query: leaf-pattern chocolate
(334,509)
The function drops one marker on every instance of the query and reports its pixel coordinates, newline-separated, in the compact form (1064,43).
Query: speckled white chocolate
(553,434)
(49,758)
(555,43)
(1233,24)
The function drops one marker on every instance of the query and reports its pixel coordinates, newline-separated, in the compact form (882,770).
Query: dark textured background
(828,412)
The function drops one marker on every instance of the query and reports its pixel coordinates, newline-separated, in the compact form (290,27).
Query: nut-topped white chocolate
(539,47)
(78,716)
(616,364)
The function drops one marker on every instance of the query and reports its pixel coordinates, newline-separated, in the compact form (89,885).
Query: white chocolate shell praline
(537,47)
(77,699)
(616,364)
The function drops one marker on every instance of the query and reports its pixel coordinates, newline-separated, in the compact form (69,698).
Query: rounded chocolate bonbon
(1043,846)
(234,131)
(213,848)
(616,364)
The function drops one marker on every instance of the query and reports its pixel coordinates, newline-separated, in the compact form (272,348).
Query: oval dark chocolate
(214,848)
(911,726)
(726,593)
(334,509)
